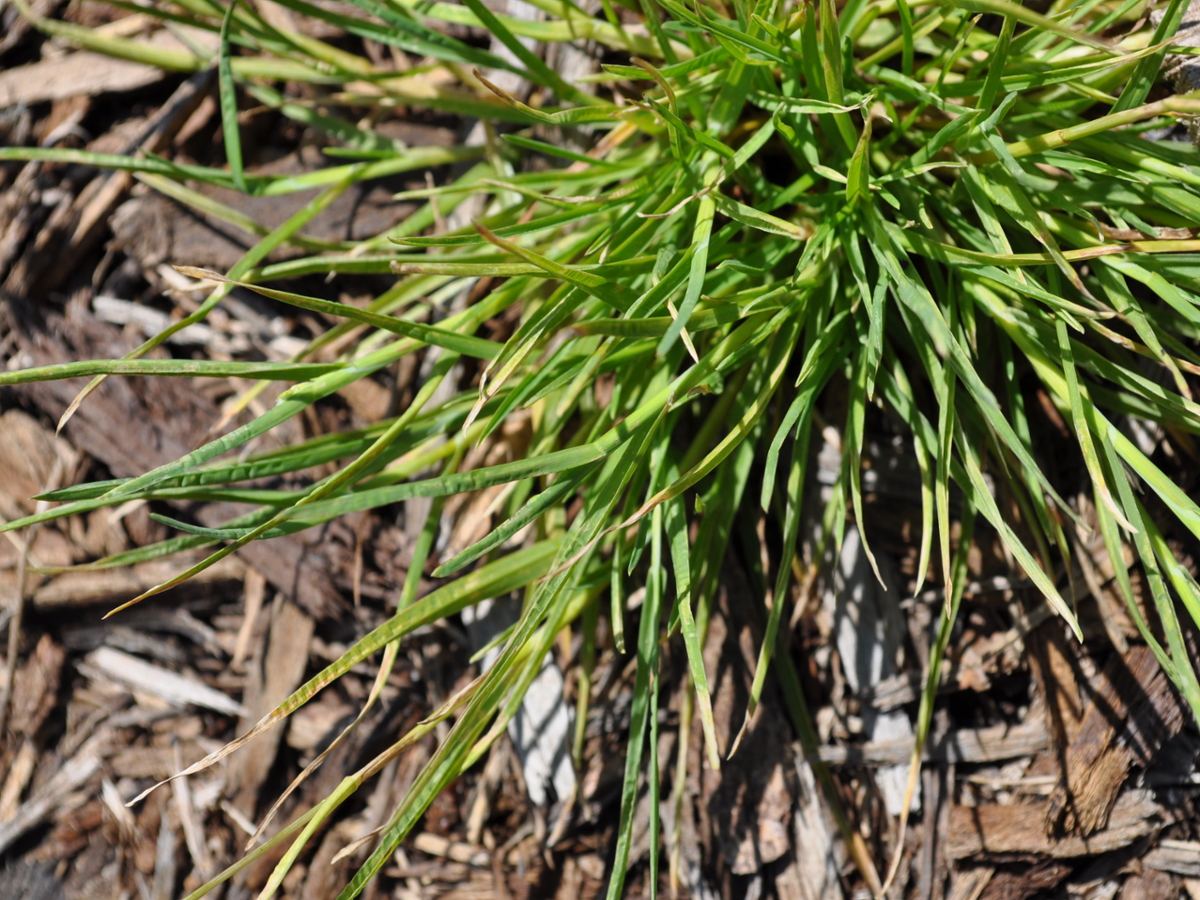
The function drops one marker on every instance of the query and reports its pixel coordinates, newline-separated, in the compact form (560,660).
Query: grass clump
(934,209)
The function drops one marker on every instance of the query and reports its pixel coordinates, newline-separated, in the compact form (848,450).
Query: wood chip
(812,873)
(1131,716)
(866,626)
(35,687)
(77,73)
(272,679)
(748,802)
(255,591)
(1025,882)
(1180,857)
(165,866)
(19,772)
(138,675)
(29,880)
(193,825)
(144,762)
(135,425)
(1016,830)
(27,453)
(114,803)
(151,322)
(116,586)
(51,796)
(436,845)
(967,745)
(1149,885)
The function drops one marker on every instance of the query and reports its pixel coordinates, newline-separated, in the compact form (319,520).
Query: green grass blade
(228,93)
(676,525)
(647,669)
(428,334)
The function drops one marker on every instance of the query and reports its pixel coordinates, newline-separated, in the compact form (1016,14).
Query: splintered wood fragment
(114,804)
(193,826)
(1178,857)
(813,868)
(138,675)
(967,745)
(486,790)
(165,865)
(20,770)
(1131,716)
(1016,830)
(73,774)
(273,676)
(255,590)
(969,884)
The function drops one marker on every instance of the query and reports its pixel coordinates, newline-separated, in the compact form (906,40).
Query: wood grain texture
(1016,830)
(1132,714)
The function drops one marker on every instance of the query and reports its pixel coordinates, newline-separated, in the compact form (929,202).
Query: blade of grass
(228,94)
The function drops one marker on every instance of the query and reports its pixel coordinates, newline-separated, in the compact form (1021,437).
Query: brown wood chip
(971,745)
(87,73)
(1019,885)
(1130,717)
(1017,830)
(1149,885)
(1180,857)
(35,687)
(282,668)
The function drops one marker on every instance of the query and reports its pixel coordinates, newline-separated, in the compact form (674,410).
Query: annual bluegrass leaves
(400,29)
(270,371)
(878,210)
(613,293)
(536,68)
(452,754)
(646,682)
(572,116)
(676,525)
(257,185)
(436,337)
(291,403)
(1144,76)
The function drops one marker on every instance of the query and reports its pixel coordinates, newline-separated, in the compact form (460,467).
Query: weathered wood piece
(966,745)
(1016,830)
(1131,716)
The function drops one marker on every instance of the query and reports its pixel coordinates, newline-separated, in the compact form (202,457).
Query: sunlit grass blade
(428,334)
(676,525)
(229,112)
(1081,428)
(645,678)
